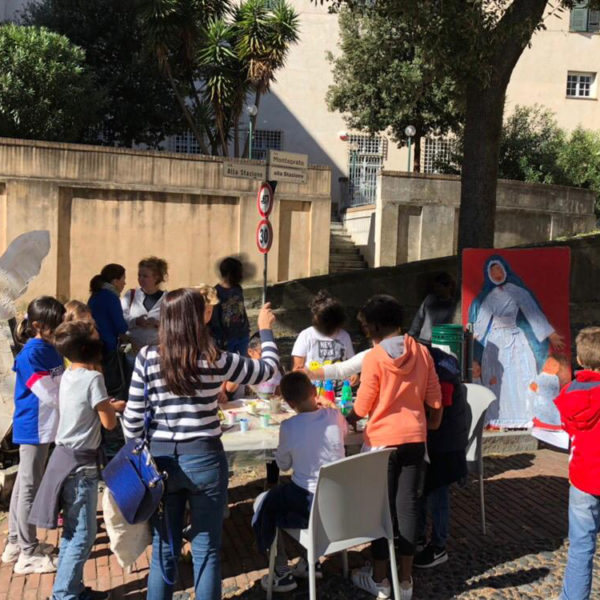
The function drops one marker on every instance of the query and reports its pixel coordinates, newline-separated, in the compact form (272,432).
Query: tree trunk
(483,127)
(417,157)
(184,109)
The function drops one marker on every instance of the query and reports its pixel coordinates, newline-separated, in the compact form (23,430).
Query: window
(365,160)
(437,151)
(580,85)
(183,142)
(583,19)
(265,140)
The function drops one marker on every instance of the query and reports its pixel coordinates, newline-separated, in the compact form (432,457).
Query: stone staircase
(344,256)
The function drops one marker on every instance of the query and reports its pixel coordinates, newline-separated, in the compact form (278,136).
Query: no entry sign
(264,200)
(264,236)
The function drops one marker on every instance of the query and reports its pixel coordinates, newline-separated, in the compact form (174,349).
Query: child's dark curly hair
(328,313)
(232,271)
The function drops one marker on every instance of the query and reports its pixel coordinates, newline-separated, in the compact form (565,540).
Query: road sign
(287,174)
(264,236)
(241,170)
(287,166)
(290,160)
(264,200)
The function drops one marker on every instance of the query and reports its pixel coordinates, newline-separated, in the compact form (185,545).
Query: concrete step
(344,252)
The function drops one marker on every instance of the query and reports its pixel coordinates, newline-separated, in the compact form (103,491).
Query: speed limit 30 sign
(264,236)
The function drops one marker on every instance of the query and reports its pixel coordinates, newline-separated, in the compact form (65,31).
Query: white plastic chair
(350,507)
(479,399)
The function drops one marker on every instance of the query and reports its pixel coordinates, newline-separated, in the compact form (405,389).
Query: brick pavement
(526,502)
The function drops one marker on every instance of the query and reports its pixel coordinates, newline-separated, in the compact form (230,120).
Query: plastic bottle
(329,391)
(346,399)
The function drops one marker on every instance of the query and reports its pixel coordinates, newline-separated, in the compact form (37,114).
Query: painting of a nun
(512,341)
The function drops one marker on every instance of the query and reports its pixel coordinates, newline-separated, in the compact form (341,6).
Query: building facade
(558,71)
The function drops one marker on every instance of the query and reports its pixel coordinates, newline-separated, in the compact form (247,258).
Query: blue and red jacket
(579,407)
(39,368)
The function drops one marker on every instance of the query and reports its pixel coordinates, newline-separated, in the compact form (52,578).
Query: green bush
(45,91)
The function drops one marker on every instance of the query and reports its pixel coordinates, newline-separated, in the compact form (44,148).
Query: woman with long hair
(178,382)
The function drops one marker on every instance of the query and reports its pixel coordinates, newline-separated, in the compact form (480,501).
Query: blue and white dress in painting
(508,362)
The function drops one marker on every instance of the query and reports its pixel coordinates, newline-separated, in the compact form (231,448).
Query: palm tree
(264,39)
(214,55)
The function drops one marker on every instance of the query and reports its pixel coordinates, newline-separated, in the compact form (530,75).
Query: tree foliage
(46,92)
(215,53)
(477,45)
(139,105)
(382,80)
(535,149)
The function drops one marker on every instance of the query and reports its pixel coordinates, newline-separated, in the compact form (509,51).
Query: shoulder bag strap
(147,408)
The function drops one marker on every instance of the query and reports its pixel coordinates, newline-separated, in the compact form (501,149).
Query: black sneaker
(282,582)
(431,556)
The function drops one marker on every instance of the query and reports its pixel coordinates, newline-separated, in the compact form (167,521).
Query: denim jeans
(584,523)
(200,480)
(437,504)
(80,501)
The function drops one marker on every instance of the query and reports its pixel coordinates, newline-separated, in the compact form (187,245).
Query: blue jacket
(108,314)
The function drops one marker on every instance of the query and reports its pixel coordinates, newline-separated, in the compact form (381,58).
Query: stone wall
(409,283)
(106,205)
(416,216)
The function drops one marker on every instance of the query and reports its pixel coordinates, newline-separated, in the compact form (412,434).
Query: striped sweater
(182,418)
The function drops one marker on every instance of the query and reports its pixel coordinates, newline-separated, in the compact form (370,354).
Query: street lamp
(252,112)
(409,132)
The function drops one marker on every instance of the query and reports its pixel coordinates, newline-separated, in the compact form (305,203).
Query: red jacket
(579,407)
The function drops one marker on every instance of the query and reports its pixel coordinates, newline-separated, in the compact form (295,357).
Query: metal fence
(365,160)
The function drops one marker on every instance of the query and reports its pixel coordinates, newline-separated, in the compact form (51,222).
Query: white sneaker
(406,590)
(362,579)
(38,562)
(11,553)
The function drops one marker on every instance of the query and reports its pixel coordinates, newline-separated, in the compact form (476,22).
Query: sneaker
(406,590)
(301,569)
(11,553)
(362,579)
(282,582)
(431,556)
(420,545)
(38,562)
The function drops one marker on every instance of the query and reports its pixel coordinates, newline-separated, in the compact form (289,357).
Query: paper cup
(275,404)
(230,418)
(243,425)
(264,420)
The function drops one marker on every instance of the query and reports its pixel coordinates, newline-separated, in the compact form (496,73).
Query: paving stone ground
(521,557)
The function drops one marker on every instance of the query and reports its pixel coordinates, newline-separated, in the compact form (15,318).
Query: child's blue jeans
(80,501)
(584,523)
(437,503)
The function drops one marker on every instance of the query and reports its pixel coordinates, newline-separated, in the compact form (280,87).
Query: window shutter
(579,19)
(593,20)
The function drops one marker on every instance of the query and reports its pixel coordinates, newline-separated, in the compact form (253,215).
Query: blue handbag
(133,477)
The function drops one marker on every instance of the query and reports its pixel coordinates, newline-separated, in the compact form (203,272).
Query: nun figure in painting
(512,342)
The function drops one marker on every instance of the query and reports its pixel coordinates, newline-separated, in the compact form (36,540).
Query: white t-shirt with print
(315,346)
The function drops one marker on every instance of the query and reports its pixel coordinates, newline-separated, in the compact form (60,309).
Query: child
(209,293)
(78,311)
(398,381)
(229,322)
(325,340)
(38,370)
(307,441)
(72,476)
(579,407)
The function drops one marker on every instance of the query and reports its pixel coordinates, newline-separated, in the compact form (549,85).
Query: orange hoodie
(394,391)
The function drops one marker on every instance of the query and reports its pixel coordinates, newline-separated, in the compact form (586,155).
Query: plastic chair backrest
(351,500)
(478,398)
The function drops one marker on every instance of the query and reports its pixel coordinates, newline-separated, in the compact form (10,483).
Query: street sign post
(264,231)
